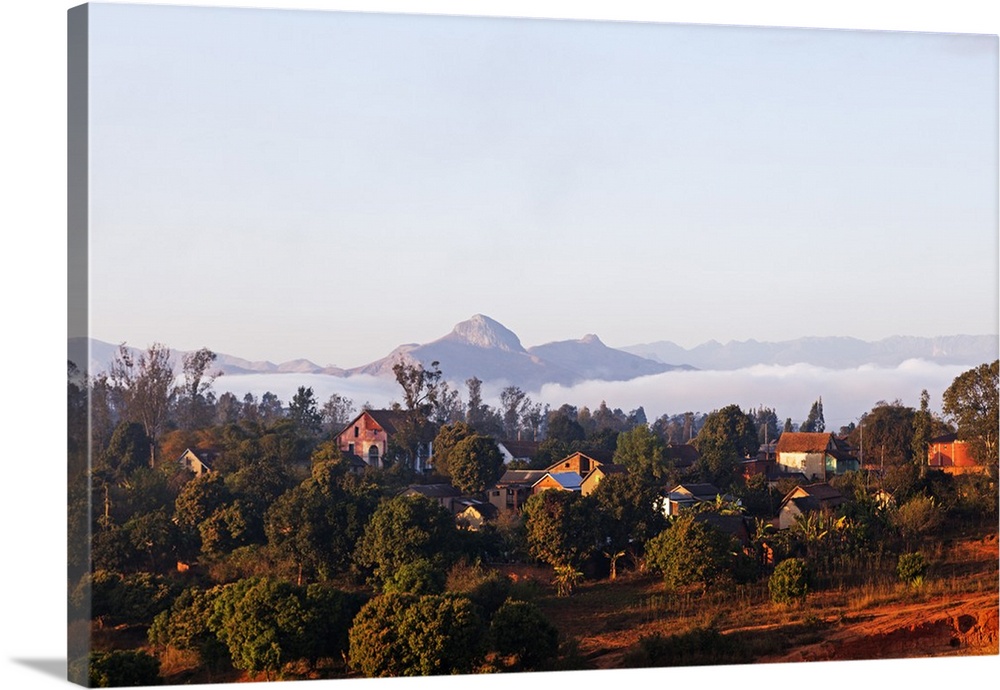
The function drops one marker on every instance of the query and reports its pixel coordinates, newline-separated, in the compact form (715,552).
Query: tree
(628,513)
(643,453)
(814,421)
(227,409)
(560,528)
(474,464)
(119,668)
(447,438)
(304,412)
(690,552)
(193,408)
(421,389)
(317,524)
(972,402)
(403,529)
(407,635)
(511,399)
(520,630)
(766,420)
(727,436)
(885,434)
(478,414)
(337,412)
(922,429)
(146,388)
(261,621)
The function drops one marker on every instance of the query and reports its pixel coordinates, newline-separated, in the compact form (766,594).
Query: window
(356,432)
(350,448)
(373,456)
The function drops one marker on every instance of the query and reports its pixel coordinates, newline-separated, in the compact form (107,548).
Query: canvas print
(412,345)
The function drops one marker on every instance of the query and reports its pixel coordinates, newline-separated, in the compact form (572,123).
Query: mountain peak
(590,339)
(482,331)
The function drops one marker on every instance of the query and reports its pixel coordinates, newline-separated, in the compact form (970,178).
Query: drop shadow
(50,667)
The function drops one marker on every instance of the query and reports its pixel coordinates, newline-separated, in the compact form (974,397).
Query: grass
(635,621)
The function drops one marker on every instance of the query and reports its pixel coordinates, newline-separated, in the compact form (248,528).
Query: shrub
(690,552)
(790,581)
(521,630)
(911,568)
(123,668)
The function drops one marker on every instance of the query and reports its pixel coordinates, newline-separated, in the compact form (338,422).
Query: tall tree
(337,412)
(971,401)
(475,463)
(922,429)
(421,390)
(728,436)
(629,514)
(814,420)
(885,434)
(304,412)
(560,527)
(447,438)
(193,408)
(511,398)
(643,453)
(146,386)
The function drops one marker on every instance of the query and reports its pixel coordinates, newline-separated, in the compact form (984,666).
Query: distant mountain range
(486,349)
(828,352)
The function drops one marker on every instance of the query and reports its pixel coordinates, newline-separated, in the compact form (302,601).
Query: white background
(34,316)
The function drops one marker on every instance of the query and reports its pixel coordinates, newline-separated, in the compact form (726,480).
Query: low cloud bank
(789,390)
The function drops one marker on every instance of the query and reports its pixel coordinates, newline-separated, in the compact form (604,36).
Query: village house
(560,481)
(369,434)
(198,460)
(816,455)
(513,489)
(950,455)
(688,495)
(516,450)
(806,499)
(681,457)
(597,475)
(577,462)
(444,495)
(472,514)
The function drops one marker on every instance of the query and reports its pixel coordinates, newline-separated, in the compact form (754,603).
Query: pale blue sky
(279,184)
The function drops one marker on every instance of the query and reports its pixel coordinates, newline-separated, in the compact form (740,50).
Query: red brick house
(368,435)
(950,454)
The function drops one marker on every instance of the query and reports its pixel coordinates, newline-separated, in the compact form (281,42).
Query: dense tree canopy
(972,402)
(727,436)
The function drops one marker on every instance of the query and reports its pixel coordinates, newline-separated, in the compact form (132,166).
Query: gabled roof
(521,477)
(520,449)
(485,509)
(945,438)
(204,455)
(804,442)
(389,420)
(814,497)
(705,492)
(568,480)
(682,456)
(570,457)
(433,490)
(733,525)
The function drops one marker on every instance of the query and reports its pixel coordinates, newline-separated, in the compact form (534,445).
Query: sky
(329,185)
(33,47)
